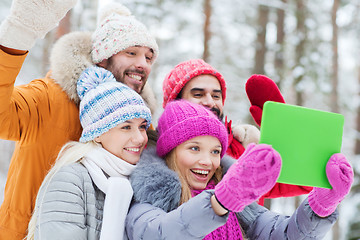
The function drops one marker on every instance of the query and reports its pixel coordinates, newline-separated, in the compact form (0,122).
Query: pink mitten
(253,175)
(259,89)
(324,201)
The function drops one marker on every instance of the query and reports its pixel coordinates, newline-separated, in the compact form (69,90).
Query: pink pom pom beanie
(182,120)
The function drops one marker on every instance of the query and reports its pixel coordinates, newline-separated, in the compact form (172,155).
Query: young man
(43,115)
(198,82)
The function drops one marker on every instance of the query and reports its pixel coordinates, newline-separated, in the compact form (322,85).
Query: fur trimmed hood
(154,183)
(70,56)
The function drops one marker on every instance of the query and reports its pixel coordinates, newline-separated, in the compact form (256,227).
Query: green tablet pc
(305,138)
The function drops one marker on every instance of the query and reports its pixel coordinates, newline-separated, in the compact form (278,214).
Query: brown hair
(171,162)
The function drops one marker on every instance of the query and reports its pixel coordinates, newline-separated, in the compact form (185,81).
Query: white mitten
(30,20)
(246,134)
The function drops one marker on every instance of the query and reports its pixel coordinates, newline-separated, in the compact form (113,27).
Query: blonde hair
(71,152)
(171,162)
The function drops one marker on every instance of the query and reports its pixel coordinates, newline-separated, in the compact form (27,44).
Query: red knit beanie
(184,72)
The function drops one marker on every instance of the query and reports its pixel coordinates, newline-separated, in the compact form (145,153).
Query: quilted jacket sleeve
(279,189)
(260,223)
(192,220)
(62,206)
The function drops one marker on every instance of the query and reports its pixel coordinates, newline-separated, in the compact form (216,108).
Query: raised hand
(30,20)
(340,174)
(254,174)
(260,89)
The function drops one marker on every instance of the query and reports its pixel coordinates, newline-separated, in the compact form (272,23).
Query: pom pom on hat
(117,30)
(113,8)
(91,78)
(105,103)
(183,120)
(175,81)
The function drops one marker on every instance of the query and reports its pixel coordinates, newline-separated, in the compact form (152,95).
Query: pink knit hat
(184,72)
(182,120)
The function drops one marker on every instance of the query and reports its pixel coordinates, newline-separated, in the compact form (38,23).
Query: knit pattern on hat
(182,120)
(175,81)
(105,103)
(118,30)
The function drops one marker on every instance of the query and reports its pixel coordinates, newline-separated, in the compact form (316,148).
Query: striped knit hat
(183,120)
(175,81)
(105,103)
(118,30)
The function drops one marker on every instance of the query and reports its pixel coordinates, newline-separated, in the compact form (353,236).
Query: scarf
(230,231)
(116,187)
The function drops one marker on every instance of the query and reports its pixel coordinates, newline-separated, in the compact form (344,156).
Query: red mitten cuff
(256,114)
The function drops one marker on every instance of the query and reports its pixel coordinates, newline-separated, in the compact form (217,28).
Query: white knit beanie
(118,30)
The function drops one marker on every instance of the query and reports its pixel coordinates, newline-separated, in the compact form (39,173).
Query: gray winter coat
(155,214)
(72,207)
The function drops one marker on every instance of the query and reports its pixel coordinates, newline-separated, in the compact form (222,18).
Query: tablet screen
(305,138)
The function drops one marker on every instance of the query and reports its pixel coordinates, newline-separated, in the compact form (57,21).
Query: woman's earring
(97,140)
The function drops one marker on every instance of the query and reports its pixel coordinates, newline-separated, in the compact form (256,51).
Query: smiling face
(126,141)
(131,66)
(197,160)
(204,90)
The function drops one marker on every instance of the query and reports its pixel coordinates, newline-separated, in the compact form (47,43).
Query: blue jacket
(155,213)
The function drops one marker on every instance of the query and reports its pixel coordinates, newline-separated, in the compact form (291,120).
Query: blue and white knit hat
(118,30)
(105,103)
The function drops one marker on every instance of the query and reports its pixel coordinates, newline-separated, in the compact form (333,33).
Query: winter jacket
(41,117)
(235,150)
(71,189)
(260,223)
(155,214)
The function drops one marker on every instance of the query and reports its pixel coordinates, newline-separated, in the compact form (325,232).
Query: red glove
(260,89)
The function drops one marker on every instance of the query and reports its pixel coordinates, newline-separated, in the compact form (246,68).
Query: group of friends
(89,163)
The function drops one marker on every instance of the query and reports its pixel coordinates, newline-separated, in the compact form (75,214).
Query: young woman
(86,194)
(184,197)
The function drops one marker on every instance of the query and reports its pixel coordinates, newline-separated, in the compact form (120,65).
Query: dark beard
(216,111)
(120,77)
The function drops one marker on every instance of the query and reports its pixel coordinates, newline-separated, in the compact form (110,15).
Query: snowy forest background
(310,48)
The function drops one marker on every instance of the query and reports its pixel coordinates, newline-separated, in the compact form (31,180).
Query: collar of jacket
(154,183)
